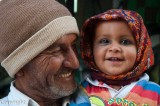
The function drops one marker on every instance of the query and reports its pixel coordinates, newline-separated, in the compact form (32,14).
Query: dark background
(149,10)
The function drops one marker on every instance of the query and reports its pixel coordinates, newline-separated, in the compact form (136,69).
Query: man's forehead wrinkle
(57,43)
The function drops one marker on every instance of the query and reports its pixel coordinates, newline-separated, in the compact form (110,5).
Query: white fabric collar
(20,99)
(116,93)
(17,98)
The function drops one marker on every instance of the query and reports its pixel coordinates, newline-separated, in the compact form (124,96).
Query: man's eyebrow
(54,45)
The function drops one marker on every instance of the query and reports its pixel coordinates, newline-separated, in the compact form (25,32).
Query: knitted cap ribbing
(27,27)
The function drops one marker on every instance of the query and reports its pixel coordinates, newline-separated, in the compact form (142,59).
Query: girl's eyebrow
(100,36)
(127,36)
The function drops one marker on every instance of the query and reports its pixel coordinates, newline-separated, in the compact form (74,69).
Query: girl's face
(114,48)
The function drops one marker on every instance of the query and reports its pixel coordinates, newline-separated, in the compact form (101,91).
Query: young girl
(117,50)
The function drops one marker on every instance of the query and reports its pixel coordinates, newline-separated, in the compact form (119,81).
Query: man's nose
(115,48)
(71,59)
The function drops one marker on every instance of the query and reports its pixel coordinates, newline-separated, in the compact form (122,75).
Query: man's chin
(60,93)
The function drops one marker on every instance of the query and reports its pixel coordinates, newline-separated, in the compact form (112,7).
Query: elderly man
(37,40)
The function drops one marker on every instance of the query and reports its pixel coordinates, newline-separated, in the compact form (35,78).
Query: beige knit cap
(27,27)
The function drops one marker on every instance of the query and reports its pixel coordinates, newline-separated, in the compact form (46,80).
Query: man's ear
(20,73)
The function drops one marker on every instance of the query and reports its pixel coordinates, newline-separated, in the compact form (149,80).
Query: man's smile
(65,75)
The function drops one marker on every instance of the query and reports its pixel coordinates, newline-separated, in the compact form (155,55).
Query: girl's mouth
(115,59)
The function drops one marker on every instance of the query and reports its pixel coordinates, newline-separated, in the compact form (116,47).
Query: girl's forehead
(113,29)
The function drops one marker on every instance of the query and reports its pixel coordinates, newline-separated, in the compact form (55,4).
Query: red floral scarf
(144,59)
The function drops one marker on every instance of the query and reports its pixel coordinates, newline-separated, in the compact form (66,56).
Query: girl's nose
(115,48)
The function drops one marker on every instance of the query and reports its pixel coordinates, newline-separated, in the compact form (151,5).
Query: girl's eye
(104,41)
(126,42)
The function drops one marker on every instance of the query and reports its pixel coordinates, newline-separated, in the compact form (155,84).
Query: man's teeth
(64,75)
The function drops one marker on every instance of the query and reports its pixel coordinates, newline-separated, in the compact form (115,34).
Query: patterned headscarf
(144,59)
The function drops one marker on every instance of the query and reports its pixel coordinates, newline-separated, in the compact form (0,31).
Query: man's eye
(57,49)
(104,41)
(54,50)
(126,42)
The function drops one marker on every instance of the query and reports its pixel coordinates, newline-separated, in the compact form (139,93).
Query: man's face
(51,73)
